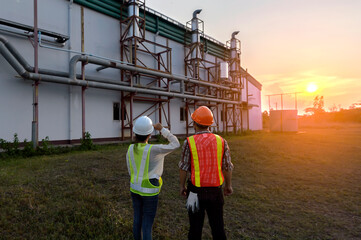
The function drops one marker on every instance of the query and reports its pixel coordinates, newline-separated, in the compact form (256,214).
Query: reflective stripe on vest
(206,159)
(139,173)
(139,188)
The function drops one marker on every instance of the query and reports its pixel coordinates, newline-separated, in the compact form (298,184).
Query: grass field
(286,186)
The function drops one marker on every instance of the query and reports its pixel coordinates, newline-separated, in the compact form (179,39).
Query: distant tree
(318,106)
(355,105)
(333,108)
(265,119)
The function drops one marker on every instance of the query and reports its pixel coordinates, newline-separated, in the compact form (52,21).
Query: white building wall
(60,111)
(254,101)
(255,113)
(15,104)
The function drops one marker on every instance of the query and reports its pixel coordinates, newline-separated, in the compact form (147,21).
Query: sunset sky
(288,44)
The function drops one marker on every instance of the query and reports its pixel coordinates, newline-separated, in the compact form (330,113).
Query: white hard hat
(143,126)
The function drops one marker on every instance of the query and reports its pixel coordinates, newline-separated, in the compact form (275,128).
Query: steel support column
(35,122)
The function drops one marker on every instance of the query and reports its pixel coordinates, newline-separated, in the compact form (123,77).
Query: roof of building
(251,79)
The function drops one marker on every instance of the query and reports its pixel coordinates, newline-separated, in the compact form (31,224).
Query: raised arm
(173,141)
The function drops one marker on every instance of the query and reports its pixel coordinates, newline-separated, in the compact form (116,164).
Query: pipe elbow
(72,65)
(196,12)
(234,34)
(75,59)
(3,39)
(26,75)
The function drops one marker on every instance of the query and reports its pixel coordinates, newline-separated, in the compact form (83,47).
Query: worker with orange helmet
(207,160)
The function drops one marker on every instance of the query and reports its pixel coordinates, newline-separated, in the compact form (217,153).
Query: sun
(312,87)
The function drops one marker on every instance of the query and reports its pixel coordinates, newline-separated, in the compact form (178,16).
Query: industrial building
(70,67)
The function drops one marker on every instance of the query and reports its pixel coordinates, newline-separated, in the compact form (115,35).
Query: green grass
(286,186)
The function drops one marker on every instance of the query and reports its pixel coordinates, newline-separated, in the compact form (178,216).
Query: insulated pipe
(133,11)
(16,57)
(11,59)
(195,27)
(234,51)
(133,32)
(25,64)
(88,59)
(108,86)
(63,80)
(195,30)
(195,55)
(234,34)
(16,54)
(198,11)
(30,68)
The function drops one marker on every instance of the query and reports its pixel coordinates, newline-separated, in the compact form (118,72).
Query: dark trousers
(211,201)
(145,209)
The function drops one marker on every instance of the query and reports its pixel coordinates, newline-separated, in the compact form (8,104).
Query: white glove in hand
(192,202)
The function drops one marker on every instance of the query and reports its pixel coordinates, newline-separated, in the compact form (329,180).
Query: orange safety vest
(207,151)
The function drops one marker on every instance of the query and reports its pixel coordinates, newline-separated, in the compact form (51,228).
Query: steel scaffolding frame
(133,46)
(195,65)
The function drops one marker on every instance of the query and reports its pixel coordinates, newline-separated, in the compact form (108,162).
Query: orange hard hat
(203,116)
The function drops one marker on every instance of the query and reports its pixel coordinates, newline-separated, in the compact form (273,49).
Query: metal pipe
(63,80)
(77,52)
(25,64)
(234,34)
(198,11)
(173,76)
(195,30)
(28,31)
(30,68)
(28,35)
(234,55)
(24,73)
(88,59)
(195,54)
(133,11)
(11,59)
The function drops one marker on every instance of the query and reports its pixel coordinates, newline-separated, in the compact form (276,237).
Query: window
(182,114)
(117,112)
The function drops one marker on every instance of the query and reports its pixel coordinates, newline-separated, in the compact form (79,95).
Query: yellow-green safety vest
(138,162)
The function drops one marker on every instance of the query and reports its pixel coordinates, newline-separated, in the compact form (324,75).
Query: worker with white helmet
(206,157)
(145,166)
